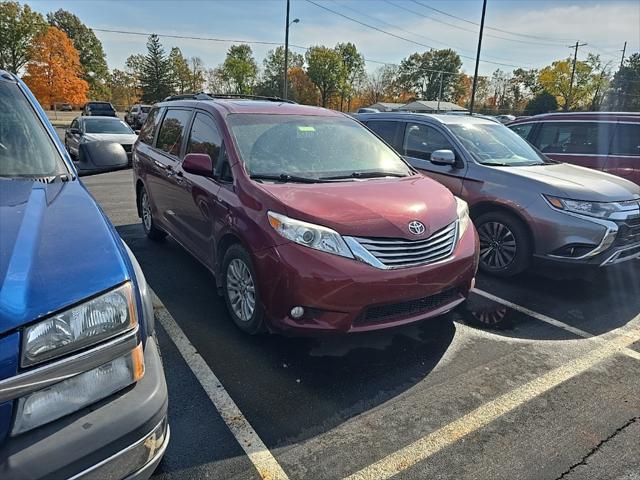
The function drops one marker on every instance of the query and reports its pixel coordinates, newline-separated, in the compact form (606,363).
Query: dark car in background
(101,109)
(98,129)
(137,115)
(605,141)
(524,206)
(308,222)
(82,388)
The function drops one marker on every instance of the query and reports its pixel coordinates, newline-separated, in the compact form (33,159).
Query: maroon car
(308,221)
(606,141)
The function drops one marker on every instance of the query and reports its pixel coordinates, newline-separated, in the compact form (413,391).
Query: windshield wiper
(377,174)
(285,177)
(496,164)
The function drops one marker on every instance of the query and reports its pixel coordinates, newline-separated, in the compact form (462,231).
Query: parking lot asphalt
(534,378)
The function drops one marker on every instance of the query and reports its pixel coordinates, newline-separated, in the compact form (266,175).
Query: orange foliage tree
(54,72)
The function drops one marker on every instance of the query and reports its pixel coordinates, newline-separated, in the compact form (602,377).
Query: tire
(505,244)
(148,224)
(240,290)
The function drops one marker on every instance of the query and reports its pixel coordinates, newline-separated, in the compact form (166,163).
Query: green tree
(123,88)
(272,79)
(624,94)
(180,73)
(92,56)
(353,72)
(155,77)
(18,27)
(239,69)
(543,102)
(422,74)
(133,67)
(325,69)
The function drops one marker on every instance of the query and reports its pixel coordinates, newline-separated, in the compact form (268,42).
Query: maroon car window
(420,141)
(149,128)
(626,140)
(172,131)
(523,129)
(586,138)
(204,137)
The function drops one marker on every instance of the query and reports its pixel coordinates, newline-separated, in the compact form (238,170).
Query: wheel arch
(484,207)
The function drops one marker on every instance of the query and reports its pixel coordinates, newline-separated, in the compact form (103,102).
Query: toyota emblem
(416,227)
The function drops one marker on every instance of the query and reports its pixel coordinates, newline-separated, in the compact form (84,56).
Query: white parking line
(551,321)
(262,459)
(432,443)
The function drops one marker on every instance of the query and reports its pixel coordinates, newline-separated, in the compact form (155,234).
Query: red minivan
(606,141)
(307,220)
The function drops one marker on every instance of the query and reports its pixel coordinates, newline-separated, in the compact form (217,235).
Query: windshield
(312,147)
(145,109)
(25,147)
(494,144)
(106,126)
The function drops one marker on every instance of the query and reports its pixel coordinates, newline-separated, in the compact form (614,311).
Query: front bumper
(344,295)
(123,436)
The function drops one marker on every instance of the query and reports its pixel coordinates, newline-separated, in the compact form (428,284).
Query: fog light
(297,312)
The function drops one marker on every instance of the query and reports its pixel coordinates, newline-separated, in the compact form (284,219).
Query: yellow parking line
(482,416)
(551,321)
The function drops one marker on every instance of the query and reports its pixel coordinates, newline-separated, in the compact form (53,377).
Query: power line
(468,30)
(399,36)
(487,27)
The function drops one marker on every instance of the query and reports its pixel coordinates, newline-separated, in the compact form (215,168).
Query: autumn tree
(325,70)
(180,73)
(239,69)
(272,78)
(123,88)
(380,85)
(54,73)
(19,25)
(92,57)
(134,64)
(429,73)
(196,74)
(352,72)
(301,88)
(155,78)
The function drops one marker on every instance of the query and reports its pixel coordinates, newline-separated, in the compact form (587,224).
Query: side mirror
(137,131)
(443,157)
(99,157)
(198,164)
(74,131)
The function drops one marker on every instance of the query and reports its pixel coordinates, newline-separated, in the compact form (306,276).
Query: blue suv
(82,389)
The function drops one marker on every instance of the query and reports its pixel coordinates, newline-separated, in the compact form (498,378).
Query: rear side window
(149,127)
(523,129)
(586,138)
(388,131)
(172,131)
(626,140)
(204,137)
(420,141)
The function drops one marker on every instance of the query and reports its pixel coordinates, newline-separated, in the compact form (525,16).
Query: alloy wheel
(146,212)
(241,289)
(497,245)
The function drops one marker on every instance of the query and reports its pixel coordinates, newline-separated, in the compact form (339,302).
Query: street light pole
(475,75)
(286,50)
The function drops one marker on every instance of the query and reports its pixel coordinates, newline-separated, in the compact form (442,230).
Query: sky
(518,33)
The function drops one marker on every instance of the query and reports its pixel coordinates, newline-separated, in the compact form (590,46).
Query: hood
(578,183)
(122,138)
(56,249)
(369,208)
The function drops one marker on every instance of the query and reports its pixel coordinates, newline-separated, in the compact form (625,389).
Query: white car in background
(98,129)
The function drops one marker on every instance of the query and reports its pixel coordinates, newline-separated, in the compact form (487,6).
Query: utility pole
(475,75)
(573,73)
(624,49)
(439,93)
(286,50)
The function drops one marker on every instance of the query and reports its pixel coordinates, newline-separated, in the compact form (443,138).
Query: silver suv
(525,206)
(137,115)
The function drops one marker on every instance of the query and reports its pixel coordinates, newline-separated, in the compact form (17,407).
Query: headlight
(77,392)
(88,323)
(310,235)
(591,209)
(463,216)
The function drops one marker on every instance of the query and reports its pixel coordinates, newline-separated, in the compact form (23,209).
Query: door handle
(160,165)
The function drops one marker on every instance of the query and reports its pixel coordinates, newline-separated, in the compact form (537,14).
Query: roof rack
(213,96)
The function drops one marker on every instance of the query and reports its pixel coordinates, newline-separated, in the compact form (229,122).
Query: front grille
(381,313)
(395,252)
(628,232)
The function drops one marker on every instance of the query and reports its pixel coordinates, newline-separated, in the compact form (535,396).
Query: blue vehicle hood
(56,249)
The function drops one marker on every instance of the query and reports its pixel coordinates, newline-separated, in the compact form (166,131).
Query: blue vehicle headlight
(93,321)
